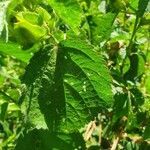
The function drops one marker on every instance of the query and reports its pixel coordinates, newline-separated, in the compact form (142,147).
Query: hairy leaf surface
(69,90)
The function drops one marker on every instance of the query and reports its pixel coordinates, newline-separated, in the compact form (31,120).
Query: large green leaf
(67,91)
(136,67)
(13,49)
(69,11)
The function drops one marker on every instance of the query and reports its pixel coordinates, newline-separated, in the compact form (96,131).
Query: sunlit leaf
(68,91)
(142,7)
(69,11)
(13,49)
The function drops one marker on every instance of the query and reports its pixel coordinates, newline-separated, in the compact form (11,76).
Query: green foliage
(72,89)
(101,26)
(13,49)
(68,11)
(74,74)
(43,139)
(142,7)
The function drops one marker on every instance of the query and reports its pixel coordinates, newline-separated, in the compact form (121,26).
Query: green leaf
(39,64)
(13,49)
(30,17)
(118,5)
(69,11)
(45,140)
(137,67)
(30,22)
(71,90)
(138,96)
(121,103)
(28,29)
(101,27)
(147,133)
(134,4)
(142,7)
(46,17)
(3,108)
(12,107)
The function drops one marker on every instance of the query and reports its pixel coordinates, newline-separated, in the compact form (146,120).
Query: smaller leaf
(69,11)
(134,4)
(147,133)
(13,107)
(142,7)
(45,15)
(31,17)
(25,21)
(138,96)
(13,49)
(101,27)
(3,108)
(120,103)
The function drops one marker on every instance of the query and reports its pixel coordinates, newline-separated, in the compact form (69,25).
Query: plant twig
(115,143)
(129,47)
(89,130)
(100,133)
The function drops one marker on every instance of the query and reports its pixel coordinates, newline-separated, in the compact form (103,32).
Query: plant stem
(115,143)
(129,47)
